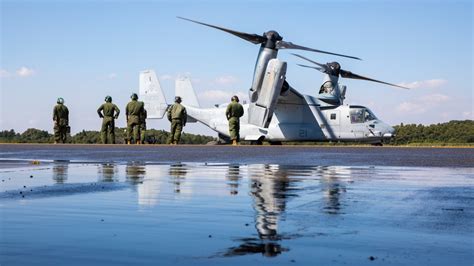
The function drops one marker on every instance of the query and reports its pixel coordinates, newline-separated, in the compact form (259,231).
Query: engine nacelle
(261,110)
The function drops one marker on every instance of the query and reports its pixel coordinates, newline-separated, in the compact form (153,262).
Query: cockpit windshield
(361,114)
(327,87)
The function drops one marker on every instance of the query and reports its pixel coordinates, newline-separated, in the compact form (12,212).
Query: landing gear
(256,142)
(379,144)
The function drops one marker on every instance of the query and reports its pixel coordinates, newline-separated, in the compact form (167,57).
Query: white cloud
(4,73)
(434,99)
(221,96)
(425,84)
(423,104)
(412,108)
(468,115)
(226,80)
(25,72)
(112,76)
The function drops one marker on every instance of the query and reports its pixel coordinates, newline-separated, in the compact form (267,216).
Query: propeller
(335,69)
(270,39)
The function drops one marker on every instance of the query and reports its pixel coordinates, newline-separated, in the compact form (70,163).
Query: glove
(101,116)
(116,117)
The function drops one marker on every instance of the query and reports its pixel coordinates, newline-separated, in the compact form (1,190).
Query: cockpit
(361,114)
(327,87)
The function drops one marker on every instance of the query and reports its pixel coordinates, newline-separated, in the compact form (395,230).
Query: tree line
(453,132)
(33,135)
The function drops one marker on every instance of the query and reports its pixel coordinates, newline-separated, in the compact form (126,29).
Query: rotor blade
(313,67)
(254,38)
(350,75)
(309,60)
(289,45)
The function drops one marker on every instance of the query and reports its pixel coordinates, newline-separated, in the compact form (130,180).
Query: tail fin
(185,90)
(152,94)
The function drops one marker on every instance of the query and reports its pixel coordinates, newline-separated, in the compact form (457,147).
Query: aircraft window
(369,115)
(333,116)
(357,115)
(326,87)
(361,115)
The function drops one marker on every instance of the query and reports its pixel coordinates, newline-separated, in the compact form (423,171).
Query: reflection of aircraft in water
(270,190)
(147,189)
(107,172)
(60,171)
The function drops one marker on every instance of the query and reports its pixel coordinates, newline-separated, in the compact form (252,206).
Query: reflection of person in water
(333,189)
(233,177)
(177,173)
(135,173)
(107,172)
(60,171)
(269,193)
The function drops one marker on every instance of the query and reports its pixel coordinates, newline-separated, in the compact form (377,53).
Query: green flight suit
(61,123)
(133,111)
(108,112)
(143,125)
(233,113)
(177,116)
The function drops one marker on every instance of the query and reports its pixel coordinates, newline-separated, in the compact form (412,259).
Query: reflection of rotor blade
(350,75)
(313,67)
(309,60)
(254,38)
(289,45)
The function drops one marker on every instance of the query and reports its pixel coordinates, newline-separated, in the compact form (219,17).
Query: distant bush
(153,136)
(453,132)
(450,133)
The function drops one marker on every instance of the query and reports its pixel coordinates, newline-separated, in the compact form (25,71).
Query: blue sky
(84,50)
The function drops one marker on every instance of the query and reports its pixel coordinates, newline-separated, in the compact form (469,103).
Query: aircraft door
(333,118)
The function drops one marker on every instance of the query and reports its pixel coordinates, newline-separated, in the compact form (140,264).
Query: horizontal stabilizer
(185,90)
(152,94)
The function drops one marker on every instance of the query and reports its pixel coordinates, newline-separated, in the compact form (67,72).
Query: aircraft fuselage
(303,121)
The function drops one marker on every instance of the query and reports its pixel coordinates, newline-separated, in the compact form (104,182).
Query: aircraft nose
(390,132)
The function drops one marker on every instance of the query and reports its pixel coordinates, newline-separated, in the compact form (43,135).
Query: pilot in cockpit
(327,87)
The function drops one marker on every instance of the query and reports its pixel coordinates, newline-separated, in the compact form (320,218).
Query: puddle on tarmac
(136,213)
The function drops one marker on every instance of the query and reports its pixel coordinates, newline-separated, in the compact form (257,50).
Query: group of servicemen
(136,116)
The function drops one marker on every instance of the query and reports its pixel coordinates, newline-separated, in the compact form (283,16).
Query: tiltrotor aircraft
(276,111)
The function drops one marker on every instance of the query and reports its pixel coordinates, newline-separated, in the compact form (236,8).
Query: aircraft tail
(152,94)
(185,90)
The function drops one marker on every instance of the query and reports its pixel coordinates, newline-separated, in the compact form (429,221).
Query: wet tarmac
(291,155)
(196,205)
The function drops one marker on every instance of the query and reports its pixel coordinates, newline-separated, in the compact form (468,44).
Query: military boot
(234,142)
(139,142)
(128,142)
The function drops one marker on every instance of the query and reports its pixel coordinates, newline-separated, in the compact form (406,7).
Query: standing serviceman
(61,121)
(233,113)
(109,112)
(133,111)
(143,117)
(177,116)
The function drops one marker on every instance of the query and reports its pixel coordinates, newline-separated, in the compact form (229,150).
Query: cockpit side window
(357,116)
(368,116)
(361,115)
(327,87)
